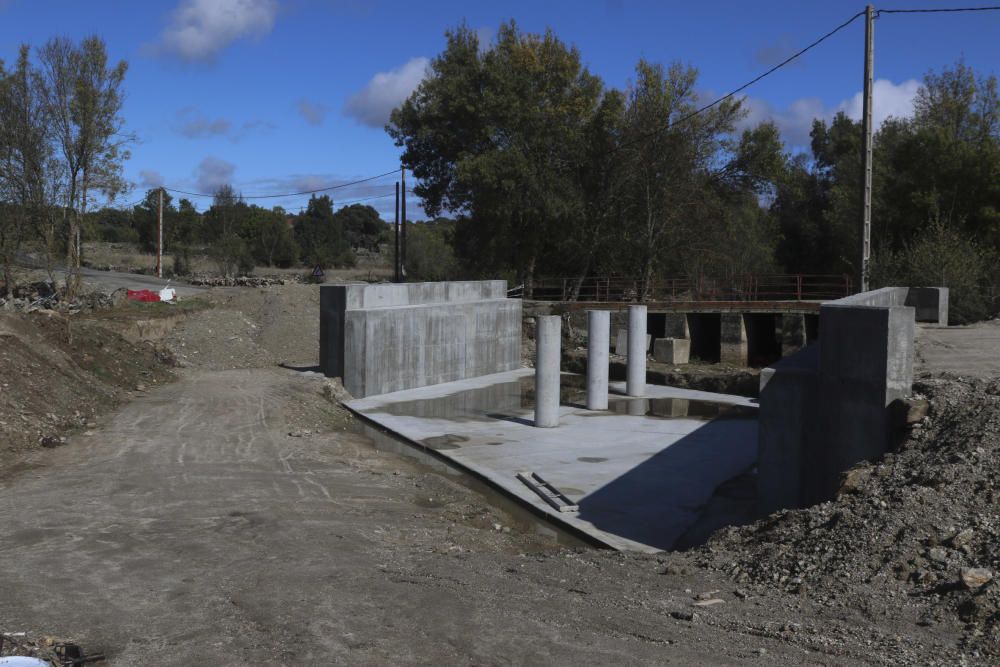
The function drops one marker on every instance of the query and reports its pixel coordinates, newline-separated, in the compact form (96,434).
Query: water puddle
(515,401)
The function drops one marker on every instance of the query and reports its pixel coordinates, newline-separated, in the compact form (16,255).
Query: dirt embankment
(915,536)
(59,373)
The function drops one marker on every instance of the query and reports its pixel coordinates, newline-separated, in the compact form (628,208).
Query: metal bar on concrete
(598,345)
(548,330)
(635,376)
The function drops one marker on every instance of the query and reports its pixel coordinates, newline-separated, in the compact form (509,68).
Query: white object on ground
(23,661)
(167,294)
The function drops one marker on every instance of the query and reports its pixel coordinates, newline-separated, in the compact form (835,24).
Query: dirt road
(191,528)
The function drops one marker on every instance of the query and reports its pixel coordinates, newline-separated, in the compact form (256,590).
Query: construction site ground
(213,504)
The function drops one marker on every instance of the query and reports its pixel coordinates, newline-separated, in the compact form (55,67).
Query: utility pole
(402,220)
(866,155)
(397,278)
(159,238)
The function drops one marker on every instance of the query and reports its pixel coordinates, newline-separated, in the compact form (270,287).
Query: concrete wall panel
(392,341)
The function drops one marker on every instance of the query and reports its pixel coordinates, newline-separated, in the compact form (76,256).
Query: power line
(937,11)
(748,83)
(287,194)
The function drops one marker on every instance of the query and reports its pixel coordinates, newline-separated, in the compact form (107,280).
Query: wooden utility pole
(866,155)
(159,238)
(402,221)
(396,272)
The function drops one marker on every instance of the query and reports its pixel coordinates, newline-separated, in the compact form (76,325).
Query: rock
(683,615)
(708,603)
(937,554)
(975,577)
(854,480)
(961,538)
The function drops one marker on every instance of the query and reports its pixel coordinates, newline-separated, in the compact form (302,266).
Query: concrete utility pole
(159,238)
(396,274)
(866,154)
(402,221)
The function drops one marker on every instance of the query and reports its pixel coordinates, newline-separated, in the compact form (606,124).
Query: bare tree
(84,99)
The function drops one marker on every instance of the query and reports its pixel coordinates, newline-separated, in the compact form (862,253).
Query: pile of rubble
(242,281)
(41,295)
(919,530)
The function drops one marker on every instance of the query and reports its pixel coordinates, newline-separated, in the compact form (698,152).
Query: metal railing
(772,287)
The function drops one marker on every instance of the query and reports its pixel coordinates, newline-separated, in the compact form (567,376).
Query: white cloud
(150,178)
(200,29)
(372,104)
(314,114)
(890,100)
(212,173)
(795,121)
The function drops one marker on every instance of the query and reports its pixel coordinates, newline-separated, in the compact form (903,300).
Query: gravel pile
(917,533)
(242,281)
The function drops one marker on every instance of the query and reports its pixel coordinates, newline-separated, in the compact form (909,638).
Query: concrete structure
(548,353)
(733,346)
(598,335)
(621,342)
(672,350)
(742,333)
(635,374)
(388,337)
(642,472)
(827,407)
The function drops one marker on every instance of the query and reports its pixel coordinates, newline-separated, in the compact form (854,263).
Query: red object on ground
(143,295)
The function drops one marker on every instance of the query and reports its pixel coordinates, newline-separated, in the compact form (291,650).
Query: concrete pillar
(598,344)
(548,331)
(733,339)
(793,333)
(676,326)
(635,376)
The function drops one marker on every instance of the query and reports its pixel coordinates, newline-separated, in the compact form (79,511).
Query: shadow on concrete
(657,501)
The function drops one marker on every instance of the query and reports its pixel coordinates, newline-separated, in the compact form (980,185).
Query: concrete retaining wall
(388,337)
(827,407)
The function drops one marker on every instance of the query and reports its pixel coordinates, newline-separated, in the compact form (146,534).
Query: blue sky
(284,95)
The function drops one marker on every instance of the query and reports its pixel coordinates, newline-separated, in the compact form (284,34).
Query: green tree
(362,225)
(270,238)
(224,227)
(497,135)
(27,173)
(321,237)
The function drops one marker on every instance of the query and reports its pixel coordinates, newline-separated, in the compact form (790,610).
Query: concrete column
(547,359)
(793,333)
(635,377)
(676,326)
(598,344)
(733,339)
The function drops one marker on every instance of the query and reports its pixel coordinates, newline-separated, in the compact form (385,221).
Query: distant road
(969,350)
(112,280)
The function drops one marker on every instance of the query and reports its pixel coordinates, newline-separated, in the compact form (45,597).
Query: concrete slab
(640,480)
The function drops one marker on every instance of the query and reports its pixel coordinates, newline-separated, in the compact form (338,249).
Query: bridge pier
(733,342)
